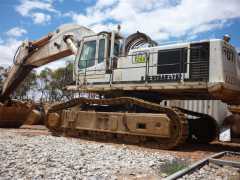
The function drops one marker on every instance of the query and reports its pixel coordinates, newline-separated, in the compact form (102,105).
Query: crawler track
(201,129)
(179,124)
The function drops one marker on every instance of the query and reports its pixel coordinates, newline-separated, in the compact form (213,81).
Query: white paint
(225,135)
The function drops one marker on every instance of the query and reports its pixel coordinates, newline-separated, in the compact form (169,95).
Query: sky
(163,20)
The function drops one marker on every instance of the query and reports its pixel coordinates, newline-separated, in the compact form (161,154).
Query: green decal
(140,59)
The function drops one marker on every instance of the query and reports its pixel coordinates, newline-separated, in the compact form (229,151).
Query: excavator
(129,77)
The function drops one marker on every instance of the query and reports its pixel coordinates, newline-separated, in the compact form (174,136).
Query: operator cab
(98,54)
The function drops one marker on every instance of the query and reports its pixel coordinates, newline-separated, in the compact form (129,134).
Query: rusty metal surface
(17,113)
(234,109)
(173,90)
(151,125)
(70,119)
(13,116)
(169,117)
(35,117)
(41,42)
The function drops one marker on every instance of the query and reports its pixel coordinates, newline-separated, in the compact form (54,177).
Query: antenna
(119,27)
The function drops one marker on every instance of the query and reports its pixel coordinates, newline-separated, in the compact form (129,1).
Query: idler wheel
(53,121)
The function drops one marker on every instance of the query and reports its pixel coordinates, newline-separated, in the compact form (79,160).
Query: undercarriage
(131,120)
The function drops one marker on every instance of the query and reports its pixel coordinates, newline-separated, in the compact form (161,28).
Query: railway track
(223,165)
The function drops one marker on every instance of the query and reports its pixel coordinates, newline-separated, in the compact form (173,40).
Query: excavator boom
(32,54)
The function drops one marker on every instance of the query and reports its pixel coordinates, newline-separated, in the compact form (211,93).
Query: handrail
(148,63)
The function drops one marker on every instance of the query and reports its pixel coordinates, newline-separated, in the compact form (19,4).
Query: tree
(2,72)
(48,85)
(44,79)
(23,92)
(27,87)
(60,79)
(52,83)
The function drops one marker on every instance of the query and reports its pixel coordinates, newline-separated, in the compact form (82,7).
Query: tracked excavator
(129,77)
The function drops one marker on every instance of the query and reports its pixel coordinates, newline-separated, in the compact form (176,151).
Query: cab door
(92,60)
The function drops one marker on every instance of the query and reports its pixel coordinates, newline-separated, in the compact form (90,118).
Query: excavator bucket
(17,114)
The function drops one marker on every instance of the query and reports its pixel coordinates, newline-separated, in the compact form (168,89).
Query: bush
(173,166)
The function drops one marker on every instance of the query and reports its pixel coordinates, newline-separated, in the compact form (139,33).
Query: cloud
(238,49)
(102,27)
(105,3)
(9,45)
(38,10)
(161,19)
(7,50)
(40,18)
(16,32)
(27,6)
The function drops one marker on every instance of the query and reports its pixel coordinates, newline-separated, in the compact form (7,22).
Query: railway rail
(222,159)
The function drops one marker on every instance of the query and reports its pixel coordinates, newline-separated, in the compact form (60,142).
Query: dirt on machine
(129,77)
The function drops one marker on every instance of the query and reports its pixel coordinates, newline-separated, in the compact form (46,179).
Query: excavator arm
(32,54)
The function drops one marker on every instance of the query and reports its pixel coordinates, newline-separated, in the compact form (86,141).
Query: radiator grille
(199,61)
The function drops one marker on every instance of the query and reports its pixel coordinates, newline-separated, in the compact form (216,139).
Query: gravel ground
(214,172)
(48,157)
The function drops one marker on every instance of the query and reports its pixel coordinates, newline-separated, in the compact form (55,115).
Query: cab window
(116,49)
(87,57)
(101,50)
